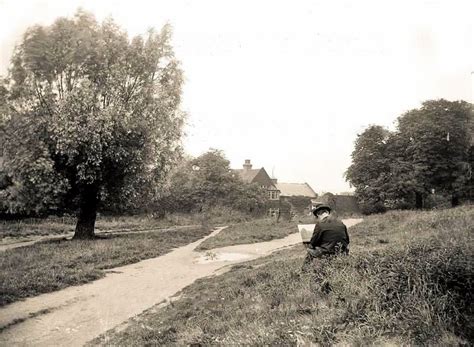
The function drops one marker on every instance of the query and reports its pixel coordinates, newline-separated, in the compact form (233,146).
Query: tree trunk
(454,200)
(87,213)
(418,201)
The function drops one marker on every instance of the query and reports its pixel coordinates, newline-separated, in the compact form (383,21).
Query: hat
(320,207)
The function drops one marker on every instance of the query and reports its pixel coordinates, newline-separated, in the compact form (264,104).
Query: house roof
(247,175)
(296,189)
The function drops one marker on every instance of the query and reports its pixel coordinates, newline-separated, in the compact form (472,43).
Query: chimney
(247,165)
(274,180)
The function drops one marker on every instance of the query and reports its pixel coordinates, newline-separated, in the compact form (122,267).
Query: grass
(53,265)
(63,225)
(258,230)
(33,226)
(408,281)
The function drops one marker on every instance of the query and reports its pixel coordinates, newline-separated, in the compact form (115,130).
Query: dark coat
(329,237)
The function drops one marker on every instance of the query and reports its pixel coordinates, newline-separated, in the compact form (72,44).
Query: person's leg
(316,252)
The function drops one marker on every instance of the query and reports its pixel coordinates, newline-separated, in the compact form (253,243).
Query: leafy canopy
(89,107)
(208,181)
(430,151)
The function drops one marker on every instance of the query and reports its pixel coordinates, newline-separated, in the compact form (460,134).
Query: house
(260,177)
(299,198)
(295,189)
(284,198)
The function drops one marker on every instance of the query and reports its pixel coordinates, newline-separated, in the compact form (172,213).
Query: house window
(272,212)
(273,194)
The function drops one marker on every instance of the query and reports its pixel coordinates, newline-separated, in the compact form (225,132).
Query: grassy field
(408,281)
(53,265)
(258,230)
(63,225)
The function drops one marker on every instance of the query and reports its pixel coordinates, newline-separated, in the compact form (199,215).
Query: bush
(369,207)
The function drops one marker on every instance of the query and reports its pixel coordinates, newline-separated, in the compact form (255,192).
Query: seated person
(329,236)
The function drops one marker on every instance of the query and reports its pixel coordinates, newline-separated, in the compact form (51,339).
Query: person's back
(329,236)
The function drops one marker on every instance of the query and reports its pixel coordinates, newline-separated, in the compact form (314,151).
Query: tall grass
(407,281)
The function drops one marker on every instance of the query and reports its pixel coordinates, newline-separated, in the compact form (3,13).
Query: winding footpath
(75,315)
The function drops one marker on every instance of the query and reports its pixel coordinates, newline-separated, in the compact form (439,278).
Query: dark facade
(285,199)
(260,177)
(342,204)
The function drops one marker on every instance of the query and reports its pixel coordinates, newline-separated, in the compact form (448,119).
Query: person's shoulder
(338,221)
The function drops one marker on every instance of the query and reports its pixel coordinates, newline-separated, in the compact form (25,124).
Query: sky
(290,84)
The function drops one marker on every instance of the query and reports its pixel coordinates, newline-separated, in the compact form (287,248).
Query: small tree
(207,181)
(92,118)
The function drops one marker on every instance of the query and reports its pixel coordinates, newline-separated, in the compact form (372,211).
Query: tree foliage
(437,141)
(430,151)
(370,168)
(207,181)
(92,119)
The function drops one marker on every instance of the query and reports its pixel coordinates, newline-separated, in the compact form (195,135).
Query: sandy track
(75,315)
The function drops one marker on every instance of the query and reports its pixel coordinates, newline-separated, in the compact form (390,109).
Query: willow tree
(92,116)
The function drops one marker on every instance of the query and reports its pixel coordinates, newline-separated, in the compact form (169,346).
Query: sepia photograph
(236,173)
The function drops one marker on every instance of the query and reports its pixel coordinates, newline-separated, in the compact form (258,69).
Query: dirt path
(78,314)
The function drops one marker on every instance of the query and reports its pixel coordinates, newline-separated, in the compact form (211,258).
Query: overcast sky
(290,84)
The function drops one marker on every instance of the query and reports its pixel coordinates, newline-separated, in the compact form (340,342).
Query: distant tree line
(428,160)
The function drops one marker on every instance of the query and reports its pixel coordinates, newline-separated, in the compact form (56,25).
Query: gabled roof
(296,189)
(247,175)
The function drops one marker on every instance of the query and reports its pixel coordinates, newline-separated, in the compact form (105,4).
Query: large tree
(370,168)
(436,141)
(430,151)
(405,188)
(93,116)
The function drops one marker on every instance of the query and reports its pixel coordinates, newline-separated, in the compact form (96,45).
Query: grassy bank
(408,280)
(53,265)
(258,230)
